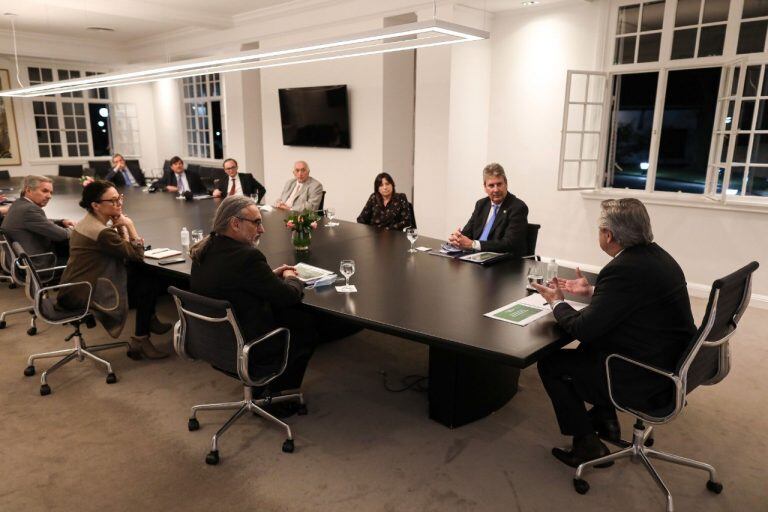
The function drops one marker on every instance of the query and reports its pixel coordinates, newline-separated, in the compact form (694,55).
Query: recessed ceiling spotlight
(530,2)
(10,14)
(100,29)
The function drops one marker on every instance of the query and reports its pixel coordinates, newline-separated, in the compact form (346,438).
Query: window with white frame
(72,124)
(676,123)
(202,116)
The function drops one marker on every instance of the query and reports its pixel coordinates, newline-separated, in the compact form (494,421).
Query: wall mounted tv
(315,116)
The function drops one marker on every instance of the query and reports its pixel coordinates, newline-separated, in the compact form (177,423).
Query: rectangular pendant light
(390,39)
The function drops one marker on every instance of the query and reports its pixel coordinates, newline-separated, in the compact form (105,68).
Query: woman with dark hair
(99,247)
(386,208)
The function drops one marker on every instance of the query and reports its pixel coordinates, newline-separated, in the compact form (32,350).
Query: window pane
(745,118)
(575,117)
(72,150)
(715,10)
(218,140)
(752,37)
(42,137)
(34,74)
(740,151)
(56,150)
(40,123)
(653,16)
(46,74)
(724,152)
(53,122)
(45,152)
(69,123)
(589,146)
(757,185)
(755,8)
(99,117)
(596,88)
(735,81)
(760,149)
(686,132)
(765,85)
(578,90)
(84,150)
(648,50)
(762,116)
(55,136)
(687,12)
(71,137)
(684,43)
(750,81)
(737,178)
(625,50)
(712,40)
(592,120)
(628,19)
(633,119)
(80,122)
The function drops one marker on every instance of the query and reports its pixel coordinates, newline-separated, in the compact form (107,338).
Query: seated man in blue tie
(499,222)
(122,175)
(180,180)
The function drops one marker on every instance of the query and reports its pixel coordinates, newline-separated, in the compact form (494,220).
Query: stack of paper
(314,275)
(526,310)
(160,253)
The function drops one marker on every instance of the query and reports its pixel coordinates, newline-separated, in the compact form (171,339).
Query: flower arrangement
(301,224)
(86,180)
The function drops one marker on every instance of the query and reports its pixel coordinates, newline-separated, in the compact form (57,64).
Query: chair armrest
(676,381)
(248,346)
(78,314)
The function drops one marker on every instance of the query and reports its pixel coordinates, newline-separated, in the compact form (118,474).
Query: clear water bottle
(551,270)
(185,240)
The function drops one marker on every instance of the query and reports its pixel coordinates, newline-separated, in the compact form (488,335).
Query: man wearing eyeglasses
(122,175)
(27,224)
(227,265)
(302,192)
(238,183)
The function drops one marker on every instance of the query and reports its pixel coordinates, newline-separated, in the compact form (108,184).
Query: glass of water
(347,269)
(535,274)
(412,235)
(196,236)
(330,213)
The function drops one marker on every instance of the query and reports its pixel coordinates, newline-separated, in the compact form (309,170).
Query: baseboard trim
(700,291)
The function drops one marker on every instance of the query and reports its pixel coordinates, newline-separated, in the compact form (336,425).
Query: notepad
(308,274)
(161,252)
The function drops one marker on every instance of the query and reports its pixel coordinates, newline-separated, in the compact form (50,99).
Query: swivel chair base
(29,309)
(247,404)
(80,352)
(640,451)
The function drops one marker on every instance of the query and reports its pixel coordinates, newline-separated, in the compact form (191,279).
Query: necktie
(292,197)
(127,178)
(180,179)
(489,224)
(232,189)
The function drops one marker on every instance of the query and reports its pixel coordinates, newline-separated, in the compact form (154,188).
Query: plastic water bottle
(551,270)
(185,239)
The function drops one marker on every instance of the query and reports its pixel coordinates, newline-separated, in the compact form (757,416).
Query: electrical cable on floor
(412,382)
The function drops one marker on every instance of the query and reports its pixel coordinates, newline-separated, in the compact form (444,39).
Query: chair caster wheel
(212,458)
(29,370)
(649,442)
(32,331)
(581,486)
(2,324)
(302,410)
(288,446)
(715,487)
(193,424)
(45,389)
(111,378)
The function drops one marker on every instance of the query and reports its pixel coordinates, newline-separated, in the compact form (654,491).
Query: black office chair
(167,166)
(532,235)
(53,313)
(71,171)
(100,168)
(6,264)
(195,168)
(133,165)
(706,361)
(413,215)
(208,330)
(5,175)
(321,208)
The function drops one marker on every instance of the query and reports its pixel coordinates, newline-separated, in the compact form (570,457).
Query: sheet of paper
(265,208)
(423,249)
(308,273)
(343,289)
(526,310)
(161,252)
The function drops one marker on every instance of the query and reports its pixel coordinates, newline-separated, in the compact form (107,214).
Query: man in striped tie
(499,222)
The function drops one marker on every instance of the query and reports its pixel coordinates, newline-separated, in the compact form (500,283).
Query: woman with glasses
(100,246)
(385,207)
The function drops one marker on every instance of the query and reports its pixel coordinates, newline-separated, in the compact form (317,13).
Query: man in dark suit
(499,222)
(639,308)
(227,265)
(27,224)
(180,180)
(238,183)
(122,175)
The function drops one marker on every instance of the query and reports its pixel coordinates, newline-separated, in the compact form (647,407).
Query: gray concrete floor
(93,446)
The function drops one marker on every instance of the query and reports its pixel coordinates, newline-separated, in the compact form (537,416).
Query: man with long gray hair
(227,265)
(639,308)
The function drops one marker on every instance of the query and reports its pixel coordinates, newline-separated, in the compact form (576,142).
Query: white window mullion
(734,129)
(658,116)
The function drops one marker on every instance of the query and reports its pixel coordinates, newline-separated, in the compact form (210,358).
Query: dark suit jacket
(247,181)
(27,224)
(118,179)
(640,308)
(239,273)
(169,179)
(508,233)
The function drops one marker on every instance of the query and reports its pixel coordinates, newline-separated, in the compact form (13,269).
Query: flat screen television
(315,116)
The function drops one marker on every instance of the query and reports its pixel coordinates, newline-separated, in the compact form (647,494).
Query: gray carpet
(93,446)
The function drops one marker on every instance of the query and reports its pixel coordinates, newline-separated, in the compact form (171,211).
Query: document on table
(526,310)
(308,274)
(160,253)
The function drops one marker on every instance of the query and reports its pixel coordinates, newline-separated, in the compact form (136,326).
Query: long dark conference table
(474,361)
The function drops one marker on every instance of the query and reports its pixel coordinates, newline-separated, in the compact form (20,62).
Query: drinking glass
(196,236)
(412,235)
(535,274)
(347,269)
(330,213)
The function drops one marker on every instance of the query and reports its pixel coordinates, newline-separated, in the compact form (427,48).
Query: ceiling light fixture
(100,29)
(390,39)
(530,2)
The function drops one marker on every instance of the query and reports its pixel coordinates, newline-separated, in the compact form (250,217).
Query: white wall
(169,128)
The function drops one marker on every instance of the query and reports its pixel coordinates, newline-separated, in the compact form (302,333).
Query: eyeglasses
(256,222)
(115,201)
(230,168)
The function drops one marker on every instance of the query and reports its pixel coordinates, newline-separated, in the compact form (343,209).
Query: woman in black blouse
(386,208)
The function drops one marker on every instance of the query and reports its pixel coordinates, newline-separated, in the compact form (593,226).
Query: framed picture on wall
(9,140)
